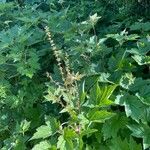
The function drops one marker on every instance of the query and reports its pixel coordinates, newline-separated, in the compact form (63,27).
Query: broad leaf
(100,116)
(44,145)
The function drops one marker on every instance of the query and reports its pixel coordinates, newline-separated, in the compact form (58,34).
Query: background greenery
(106,41)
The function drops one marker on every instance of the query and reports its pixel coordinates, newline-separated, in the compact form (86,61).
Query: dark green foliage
(105,106)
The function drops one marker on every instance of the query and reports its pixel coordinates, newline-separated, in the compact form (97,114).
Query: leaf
(141,131)
(52,123)
(20,143)
(105,94)
(132,37)
(82,92)
(119,144)
(47,130)
(133,107)
(25,125)
(31,65)
(64,144)
(6,5)
(65,141)
(127,80)
(100,95)
(112,126)
(83,120)
(44,145)
(61,143)
(144,94)
(134,145)
(94,94)
(139,83)
(123,37)
(42,132)
(143,46)
(69,133)
(94,18)
(28,19)
(104,78)
(2,91)
(100,116)
(142,60)
(88,131)
(52,94)
(140,26)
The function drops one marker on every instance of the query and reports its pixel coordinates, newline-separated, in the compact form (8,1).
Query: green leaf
(133,107)
(142,60)
(100,95)
(104,78)
(134,145)
(82,93)
(144,94)
(65,141)
(119,144)
(139,83)
(6,6)
(30,66)
(51,96)
(94,94)
(69,133)
(61,143)
(105,94)
(83,120)
(2,90)
(44,145)
(25,125)
(88,131)
(65,144)
(127,80)
(47,130)
(100,116)
(140,26)
(52,123)
(94,18)
(112,126)
(42,132)
(141,131)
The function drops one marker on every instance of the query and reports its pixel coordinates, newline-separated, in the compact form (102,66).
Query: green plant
(73,80)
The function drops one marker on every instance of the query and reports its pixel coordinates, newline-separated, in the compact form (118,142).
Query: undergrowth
(74,75)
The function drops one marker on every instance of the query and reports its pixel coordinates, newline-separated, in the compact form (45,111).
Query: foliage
(74,77)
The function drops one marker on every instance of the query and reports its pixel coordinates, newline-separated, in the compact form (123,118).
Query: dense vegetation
(74,74)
